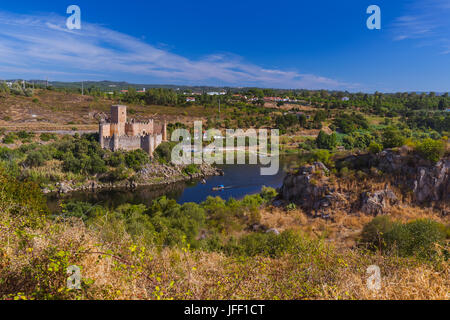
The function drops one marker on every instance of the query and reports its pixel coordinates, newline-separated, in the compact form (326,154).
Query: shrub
(82,210)
(268,193)
(375,147)
(322,155)
(265,244)
(415,238)
(9,138)
(117,174)
(374,231)
(7,154)
(430,149)
(25,135)
(191,169)
(164,151)
(47,137)
(136,159)
(35,159)
(291,206)
(348,142)
(361,140)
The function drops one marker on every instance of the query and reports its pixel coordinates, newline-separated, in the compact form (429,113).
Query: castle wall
(148,143)
(105,129)
(118,134)
(158,139)
(108,143)
(129,143)
(139,128)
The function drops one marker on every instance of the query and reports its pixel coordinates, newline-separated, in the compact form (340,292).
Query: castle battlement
(120,134)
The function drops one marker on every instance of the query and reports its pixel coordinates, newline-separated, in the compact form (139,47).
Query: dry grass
(344,228)
(53,110)
(115,267)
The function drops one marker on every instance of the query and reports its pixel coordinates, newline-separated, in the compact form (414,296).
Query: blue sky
(281,44)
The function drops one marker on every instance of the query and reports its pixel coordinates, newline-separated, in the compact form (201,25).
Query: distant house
(240,96)
(124,91)
(215,93)
(275,99)
(141,91)
(190,99)
(447,110)
(345,99)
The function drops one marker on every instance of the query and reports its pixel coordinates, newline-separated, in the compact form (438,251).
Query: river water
(238,180)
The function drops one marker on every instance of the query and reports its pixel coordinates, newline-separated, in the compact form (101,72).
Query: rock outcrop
(407,173)
(64,187)
(377,202)
(428,181)
(433,183)
(308,189)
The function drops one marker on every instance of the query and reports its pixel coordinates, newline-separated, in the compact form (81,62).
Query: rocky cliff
(427,183)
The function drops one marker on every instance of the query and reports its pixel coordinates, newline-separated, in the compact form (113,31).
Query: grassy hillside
(53,110)
(121,258)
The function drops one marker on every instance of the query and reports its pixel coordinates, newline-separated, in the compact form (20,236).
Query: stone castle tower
(118,133)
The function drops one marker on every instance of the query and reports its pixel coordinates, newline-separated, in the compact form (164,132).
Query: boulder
(307,190)
(378,202)
(432,183)
(64,187)
(273,230)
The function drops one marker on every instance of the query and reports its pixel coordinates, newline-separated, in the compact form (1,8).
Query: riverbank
(152,174)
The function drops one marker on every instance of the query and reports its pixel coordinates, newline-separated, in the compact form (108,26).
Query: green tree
(392,138)
(442,104)
(325,141)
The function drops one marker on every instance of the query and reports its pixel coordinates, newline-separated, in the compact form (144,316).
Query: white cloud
(426,21)
(38,46)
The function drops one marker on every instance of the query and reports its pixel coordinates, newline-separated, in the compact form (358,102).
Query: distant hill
(107,85)
(122,85)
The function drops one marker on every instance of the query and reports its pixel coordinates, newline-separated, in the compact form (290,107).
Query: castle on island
(116,133)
